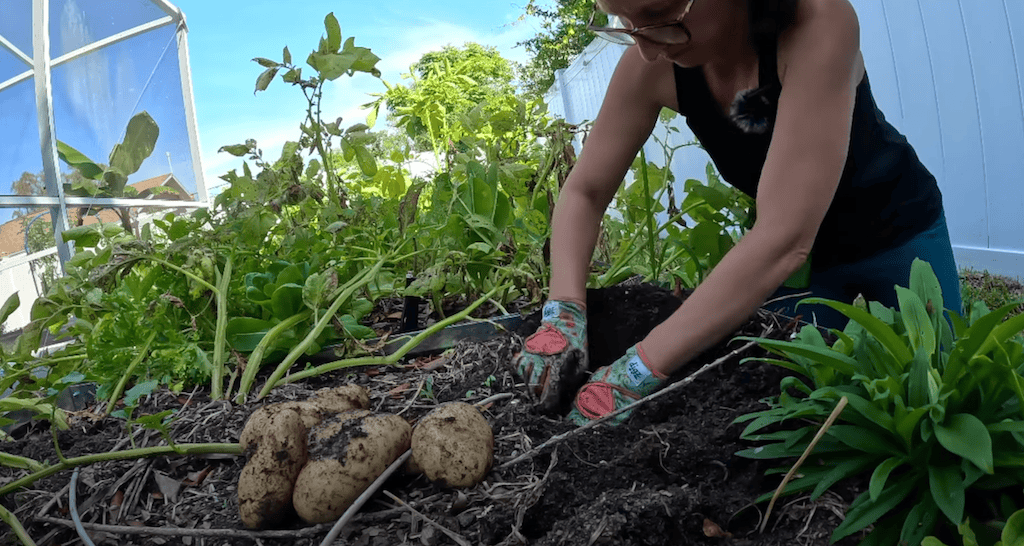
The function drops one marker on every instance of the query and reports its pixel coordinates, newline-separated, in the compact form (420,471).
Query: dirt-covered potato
(324,402)
(453,444)
(347,451)
(276,452)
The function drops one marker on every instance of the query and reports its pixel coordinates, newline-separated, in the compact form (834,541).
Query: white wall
(949,74)
(16,277)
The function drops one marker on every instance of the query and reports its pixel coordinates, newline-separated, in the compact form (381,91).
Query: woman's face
(713,25)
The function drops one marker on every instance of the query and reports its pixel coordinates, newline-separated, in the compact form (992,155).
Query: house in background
(19,275)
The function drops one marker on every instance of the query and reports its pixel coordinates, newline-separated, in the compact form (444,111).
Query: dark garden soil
(669,476)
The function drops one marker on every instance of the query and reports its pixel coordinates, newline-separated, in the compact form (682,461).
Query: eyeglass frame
(632,32)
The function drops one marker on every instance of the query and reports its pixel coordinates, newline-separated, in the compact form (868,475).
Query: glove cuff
(556,309)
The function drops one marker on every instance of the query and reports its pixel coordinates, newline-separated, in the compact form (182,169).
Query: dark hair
(769,18)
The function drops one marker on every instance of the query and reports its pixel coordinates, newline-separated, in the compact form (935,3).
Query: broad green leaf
(354,329)
(132,395)
(244,333)
(9,307)
(333,33)
(1011,327)
(287,56)
(881,475)
(864,512)
(266,63)
(367,163)
(79,161)
(926,285)
(947,488)
(1013,532)
(916,320)
(265,78)
(882,331)
(932,541)
(1006,426)
(139,141)
(965,435)
(237,150)
(920,520)
(286,300)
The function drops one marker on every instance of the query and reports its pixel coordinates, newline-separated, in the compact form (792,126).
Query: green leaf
(881,475)
(131,397)
(267,63)
(9,307)
(286,300)
(237,150)
(139,142)
(833,359)
(947,488)
(920,521)
(882,331)
(1013,532)
(965,435)
(366,161)
(85,166)
(916,320)
(333,33)
(918,390)
(864,512)
(265,78)
(287,56)
(245,333)
(863,440)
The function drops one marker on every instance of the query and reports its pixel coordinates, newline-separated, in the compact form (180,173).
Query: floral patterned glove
(625,381)
(554,360)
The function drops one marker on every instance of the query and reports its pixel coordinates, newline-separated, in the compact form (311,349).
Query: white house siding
(948,74)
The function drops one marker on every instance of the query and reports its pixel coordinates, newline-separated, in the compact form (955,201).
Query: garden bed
(668,477)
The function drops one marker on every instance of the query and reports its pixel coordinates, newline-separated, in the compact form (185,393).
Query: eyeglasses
(611,28)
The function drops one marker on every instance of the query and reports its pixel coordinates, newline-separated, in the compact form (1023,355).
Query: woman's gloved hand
(625,381)
(554,361)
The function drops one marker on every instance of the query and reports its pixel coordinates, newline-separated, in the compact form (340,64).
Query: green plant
(936,409)
(1011,534)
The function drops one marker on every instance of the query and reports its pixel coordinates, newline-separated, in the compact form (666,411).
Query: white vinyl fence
(949,74)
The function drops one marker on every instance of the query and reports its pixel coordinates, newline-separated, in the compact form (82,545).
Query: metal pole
(188,100)
(47,132)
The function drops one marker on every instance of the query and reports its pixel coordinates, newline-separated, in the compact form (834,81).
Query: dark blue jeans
(876,278)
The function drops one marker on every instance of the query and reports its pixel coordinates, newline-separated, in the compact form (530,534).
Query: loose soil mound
(669,476)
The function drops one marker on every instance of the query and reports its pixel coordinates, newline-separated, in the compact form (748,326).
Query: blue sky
(224,35)
(94,96)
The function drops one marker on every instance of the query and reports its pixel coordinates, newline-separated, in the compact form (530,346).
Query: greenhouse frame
(76,71)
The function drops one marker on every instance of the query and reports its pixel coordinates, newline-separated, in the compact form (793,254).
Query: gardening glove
(626,380)
(554,361)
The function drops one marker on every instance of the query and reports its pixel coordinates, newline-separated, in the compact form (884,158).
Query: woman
(776,92)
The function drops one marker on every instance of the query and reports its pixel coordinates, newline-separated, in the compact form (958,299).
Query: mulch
(669,476)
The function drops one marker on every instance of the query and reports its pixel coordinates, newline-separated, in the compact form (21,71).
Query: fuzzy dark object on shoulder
(753,110)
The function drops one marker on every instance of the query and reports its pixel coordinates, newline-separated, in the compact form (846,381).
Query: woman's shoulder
(824,31)
(641,79)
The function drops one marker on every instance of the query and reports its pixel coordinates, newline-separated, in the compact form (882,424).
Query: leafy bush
(936,408)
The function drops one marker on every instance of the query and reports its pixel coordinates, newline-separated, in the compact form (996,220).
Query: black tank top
(885,196)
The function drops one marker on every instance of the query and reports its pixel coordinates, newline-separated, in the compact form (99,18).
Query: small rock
(466,519)
(429,536)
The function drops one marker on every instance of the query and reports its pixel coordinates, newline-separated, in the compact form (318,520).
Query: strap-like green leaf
(881,475)
(916,320)
(920,520)
(965,435)
(864,511)
(882,331)
(863,439)
(79,161)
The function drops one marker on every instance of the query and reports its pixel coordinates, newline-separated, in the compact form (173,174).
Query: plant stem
(649,206)
(116,393)
(19,531)
(179,449)
(297,351)
(15,461)
(256,358)
(393,358)
(220,336)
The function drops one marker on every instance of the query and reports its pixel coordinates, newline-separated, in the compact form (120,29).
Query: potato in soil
(453,444)
(347,452)
(277,452)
